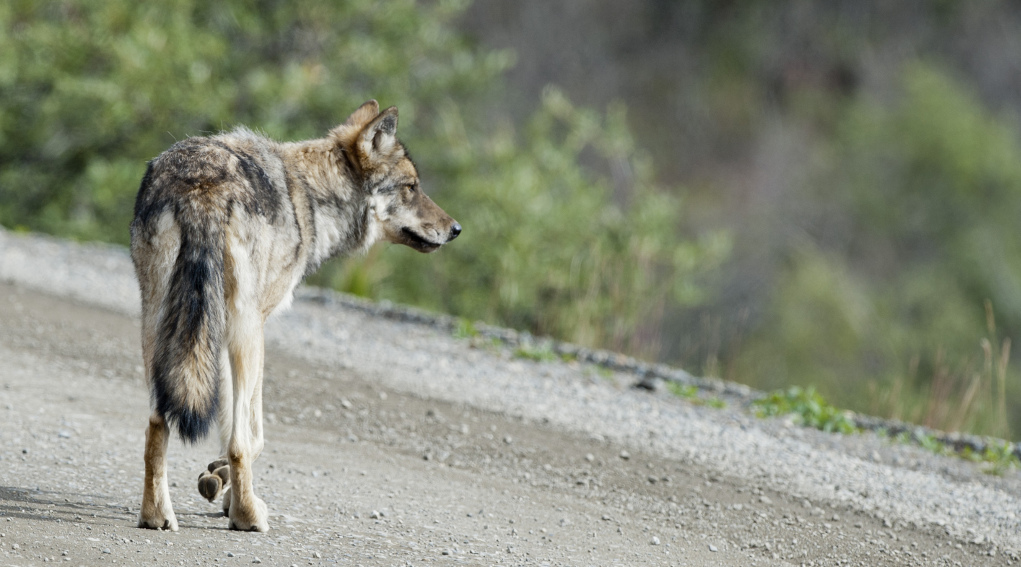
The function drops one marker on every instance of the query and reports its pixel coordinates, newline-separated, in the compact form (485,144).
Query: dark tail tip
(192,426)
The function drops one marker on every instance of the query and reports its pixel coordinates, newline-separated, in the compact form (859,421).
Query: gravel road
(394,443)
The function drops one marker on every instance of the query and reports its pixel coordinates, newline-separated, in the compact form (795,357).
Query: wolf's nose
(454,231)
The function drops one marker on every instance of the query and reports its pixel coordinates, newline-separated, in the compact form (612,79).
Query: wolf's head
(403,212)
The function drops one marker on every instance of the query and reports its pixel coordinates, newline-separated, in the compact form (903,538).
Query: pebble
(256,560)
(625,455)
(229,554)
(590,457)
(713,548)
(655,540)
(316,555)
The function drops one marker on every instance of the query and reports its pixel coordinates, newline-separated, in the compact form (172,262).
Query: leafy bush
(566,233)
(547,246)
(92,90)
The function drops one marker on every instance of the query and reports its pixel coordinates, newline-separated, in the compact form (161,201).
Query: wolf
(224,229)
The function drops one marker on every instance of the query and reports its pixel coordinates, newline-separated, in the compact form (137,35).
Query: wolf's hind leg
(157,512)
(247,512)
(214,482)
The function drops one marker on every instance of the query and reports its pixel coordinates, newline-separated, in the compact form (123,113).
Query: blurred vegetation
(792,197)
(865,167)
(893,294)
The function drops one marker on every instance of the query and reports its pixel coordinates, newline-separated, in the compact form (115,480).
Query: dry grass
(969,398)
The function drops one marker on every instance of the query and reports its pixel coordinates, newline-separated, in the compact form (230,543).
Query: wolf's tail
(186,361)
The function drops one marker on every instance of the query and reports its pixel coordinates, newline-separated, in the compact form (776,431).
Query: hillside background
(777,193)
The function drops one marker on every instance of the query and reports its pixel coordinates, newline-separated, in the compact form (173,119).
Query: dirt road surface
(391,443)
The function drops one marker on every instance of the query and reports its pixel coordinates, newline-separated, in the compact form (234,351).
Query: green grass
(682,390)
(808,407)
(538,353)
(999,459)
(811,409)
(465,329)
(690,393)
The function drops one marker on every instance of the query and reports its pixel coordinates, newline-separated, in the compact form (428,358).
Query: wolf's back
(190,315)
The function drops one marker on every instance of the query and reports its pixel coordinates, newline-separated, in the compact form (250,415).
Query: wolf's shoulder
(240,139)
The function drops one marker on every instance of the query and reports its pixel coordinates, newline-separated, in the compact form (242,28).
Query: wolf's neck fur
(341,218)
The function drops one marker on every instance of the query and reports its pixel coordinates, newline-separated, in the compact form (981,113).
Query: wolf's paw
(158,520)
(214,481)
(253,519)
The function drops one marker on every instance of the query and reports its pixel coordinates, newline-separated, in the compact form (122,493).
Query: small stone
(107,550)
(508,439)
(606,517)
(655,540)
(590,457)
(229,554)
(713,548)
(625,455)
(256,560)
(15,546)
(375,515)
(652,479)
(765,499)
(316,555)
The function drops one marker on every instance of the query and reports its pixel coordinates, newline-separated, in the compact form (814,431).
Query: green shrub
(808,408)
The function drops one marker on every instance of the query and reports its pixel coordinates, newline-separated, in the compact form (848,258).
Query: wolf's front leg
(246,510)
(157,512)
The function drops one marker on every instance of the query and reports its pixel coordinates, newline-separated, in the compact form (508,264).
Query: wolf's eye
(412,187)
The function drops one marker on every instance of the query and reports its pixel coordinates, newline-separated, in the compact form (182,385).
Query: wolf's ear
(366,112)
(379,136)
(346,133)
